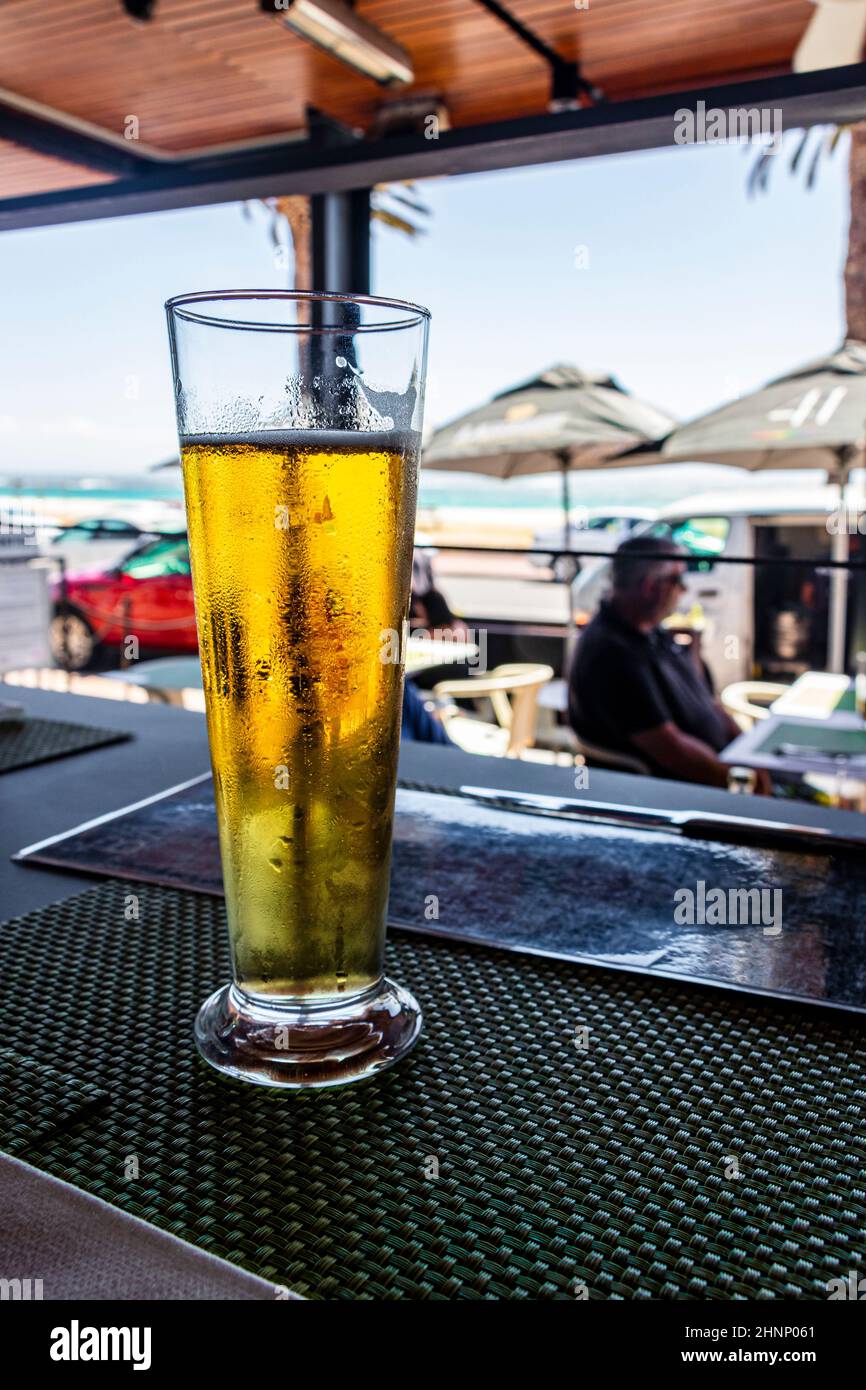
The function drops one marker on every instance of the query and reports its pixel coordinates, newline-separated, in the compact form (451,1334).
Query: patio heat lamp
(335,27)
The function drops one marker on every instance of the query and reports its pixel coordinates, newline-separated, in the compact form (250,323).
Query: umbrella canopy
(562,419)
(814,417)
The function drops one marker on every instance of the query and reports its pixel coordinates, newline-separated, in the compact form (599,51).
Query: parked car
(98,529)
(100,543)
(148,595)
(596,529)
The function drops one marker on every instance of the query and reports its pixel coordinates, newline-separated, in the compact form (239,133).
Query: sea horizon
(652,487)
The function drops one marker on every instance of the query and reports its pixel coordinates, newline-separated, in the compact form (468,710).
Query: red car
(147,596)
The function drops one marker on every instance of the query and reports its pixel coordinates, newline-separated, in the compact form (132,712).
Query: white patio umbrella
(561,421)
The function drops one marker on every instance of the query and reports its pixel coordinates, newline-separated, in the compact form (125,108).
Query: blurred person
(418,724)
(634,689)
(430,616)
(428,608)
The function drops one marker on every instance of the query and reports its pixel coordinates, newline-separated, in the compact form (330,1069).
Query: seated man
(633,689)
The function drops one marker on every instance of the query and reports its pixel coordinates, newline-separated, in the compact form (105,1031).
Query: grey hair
(638,558)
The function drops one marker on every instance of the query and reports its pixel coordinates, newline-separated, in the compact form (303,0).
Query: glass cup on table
(299,419)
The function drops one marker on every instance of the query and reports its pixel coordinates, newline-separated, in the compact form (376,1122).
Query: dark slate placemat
(580,890)
(41,740)
(38,1100)
(557,1131)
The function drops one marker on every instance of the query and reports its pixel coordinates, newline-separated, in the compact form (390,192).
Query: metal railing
(692,557)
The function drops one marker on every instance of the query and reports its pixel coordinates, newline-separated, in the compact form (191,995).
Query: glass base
(311,1046)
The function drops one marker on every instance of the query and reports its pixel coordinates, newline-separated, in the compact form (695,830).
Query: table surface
(560,1163)
(170,746)
(690,1068)
(819,695)
(163,673)
(425,653)
(836,738)
(184,672)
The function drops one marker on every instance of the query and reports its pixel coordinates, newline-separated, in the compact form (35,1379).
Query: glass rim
(414,315)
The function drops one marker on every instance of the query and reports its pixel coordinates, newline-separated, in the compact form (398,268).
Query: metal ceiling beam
(835,95)
(25,123)
(568,85)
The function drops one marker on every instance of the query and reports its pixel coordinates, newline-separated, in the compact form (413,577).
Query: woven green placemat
(498,1160)
(40,740)
(38,1100)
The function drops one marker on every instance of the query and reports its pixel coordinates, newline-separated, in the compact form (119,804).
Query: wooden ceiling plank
(205,73)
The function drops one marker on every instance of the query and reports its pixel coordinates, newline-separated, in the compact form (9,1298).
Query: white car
(596,529)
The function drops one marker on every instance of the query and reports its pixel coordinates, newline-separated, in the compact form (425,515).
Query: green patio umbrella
(562,420)
(814,417)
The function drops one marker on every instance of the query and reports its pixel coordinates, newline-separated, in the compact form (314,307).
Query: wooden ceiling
(207,72)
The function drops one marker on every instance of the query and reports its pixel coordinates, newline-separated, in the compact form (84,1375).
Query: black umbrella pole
(566,506)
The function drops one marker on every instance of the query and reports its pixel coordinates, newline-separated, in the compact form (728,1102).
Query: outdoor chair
(551,733)
(512,691)
(748,701)
(613,760)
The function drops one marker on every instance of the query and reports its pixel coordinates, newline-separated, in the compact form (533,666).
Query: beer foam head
(312,441)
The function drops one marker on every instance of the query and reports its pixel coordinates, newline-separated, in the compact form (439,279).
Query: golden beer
(299,419)
(301,546)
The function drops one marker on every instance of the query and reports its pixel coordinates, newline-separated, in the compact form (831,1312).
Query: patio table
(561,1131)
(821,695)
(426,653)
(174,674)
(170,746)
(782,743)
(162,673)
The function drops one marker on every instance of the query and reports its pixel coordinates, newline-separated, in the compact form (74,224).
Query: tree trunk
(855,263)
(296,211)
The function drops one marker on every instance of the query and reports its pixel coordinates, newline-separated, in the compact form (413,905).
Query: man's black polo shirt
(625,682)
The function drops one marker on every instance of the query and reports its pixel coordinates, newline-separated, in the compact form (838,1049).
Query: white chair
(748,701)
(512,691)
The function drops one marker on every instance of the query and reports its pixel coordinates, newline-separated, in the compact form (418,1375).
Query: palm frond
(835,136)
(413,203)
(759,173)
(392,219)
(828,138)
(799,151)
(812,175)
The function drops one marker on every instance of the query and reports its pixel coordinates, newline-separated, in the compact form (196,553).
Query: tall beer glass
(299,417)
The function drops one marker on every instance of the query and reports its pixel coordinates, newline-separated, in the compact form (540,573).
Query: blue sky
(656,266)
